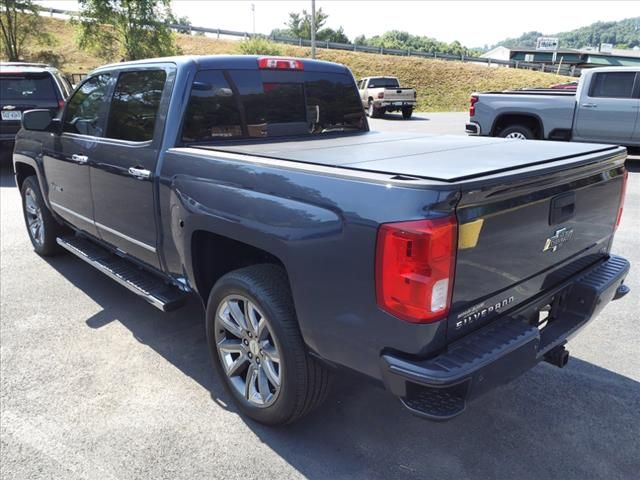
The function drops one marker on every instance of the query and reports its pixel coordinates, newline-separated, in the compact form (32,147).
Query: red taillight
(380,94)
(275,63)
(60,104)
(472,107)
(414,268)
(625,178)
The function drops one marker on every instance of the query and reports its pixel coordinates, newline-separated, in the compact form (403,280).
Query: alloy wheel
(517,136)
(248,351)
(35,221)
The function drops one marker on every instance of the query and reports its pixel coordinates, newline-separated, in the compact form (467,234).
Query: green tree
(184,22)
(134,29)
(360,40)
(331,35)
(19,21)
(299,24)
(624,34)
(406,41)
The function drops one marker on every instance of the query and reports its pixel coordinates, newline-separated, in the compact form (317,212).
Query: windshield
(383,83)
(26,87)
(265,103)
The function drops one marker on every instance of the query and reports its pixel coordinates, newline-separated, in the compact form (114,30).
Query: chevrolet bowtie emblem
(557,239)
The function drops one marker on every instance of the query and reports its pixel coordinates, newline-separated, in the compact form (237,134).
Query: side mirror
(38,120)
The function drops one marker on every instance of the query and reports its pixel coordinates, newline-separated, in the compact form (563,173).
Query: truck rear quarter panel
(323,230)
(554,112)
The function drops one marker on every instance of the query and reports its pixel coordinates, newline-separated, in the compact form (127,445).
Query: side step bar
(144,284)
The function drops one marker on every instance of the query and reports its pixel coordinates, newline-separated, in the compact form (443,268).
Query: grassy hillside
(441,85)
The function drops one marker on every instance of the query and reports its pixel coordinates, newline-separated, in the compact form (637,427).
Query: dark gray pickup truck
(440,266)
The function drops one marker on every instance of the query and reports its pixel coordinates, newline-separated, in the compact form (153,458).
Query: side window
(612,85)
(212,111)
(82,112)
(135,104)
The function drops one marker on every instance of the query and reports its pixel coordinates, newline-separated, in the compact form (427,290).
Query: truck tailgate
(521,237)
(399,94)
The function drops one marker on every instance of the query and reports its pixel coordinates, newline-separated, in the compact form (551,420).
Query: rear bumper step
(144,284)
(439,388)
(472,128)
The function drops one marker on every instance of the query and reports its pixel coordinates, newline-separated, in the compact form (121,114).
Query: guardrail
(568,70)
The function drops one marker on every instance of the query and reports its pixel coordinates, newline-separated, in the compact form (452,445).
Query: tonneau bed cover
(447,158)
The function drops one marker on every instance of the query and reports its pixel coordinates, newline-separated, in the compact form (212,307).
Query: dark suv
(26,86)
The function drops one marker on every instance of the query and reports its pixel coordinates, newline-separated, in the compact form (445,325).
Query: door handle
(79,158)
(140,173)
(589,105)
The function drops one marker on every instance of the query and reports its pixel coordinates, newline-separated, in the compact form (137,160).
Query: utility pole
(313,28)
(253,13)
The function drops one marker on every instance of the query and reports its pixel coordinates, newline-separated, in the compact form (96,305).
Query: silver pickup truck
(380,95)
(605,108)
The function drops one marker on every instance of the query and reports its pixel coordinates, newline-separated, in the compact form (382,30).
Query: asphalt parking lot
(97,384)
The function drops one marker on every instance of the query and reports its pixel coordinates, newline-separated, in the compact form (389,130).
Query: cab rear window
(261,104)
(383,83)
(27,87)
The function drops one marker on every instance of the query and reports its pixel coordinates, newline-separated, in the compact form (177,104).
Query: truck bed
(534,91)
(445,158)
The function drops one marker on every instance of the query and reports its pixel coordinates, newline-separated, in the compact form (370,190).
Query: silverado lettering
(478,312)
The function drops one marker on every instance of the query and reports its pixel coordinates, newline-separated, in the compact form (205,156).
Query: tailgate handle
(563,207)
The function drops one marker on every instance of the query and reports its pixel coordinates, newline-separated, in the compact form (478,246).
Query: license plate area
(548,312)
(11,115)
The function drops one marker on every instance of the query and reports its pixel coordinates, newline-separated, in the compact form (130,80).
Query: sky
(472,23)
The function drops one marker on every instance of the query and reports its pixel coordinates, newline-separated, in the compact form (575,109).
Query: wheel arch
(22,171)
(507,119)
(24,167)
(214,255)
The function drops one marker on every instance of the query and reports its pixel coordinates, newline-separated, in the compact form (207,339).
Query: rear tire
(42,228)
(372,111)
(517,132)
(257,348)
(407,112)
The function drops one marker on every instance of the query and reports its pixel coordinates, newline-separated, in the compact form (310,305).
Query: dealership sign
(606,48)
(547,43)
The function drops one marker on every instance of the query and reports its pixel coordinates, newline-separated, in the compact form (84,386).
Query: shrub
(49,57)
(259,46)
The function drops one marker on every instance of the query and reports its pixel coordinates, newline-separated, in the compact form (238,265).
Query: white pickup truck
(605,108)
(384,94)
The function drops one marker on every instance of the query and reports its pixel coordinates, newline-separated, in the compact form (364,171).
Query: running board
(144,284)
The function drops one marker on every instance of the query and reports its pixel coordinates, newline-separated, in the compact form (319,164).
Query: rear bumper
(439,388)
(390,105)
(472,128)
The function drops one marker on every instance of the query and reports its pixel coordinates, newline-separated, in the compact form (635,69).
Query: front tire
(257,347)
(517,132)
(42,228)
(407,112)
